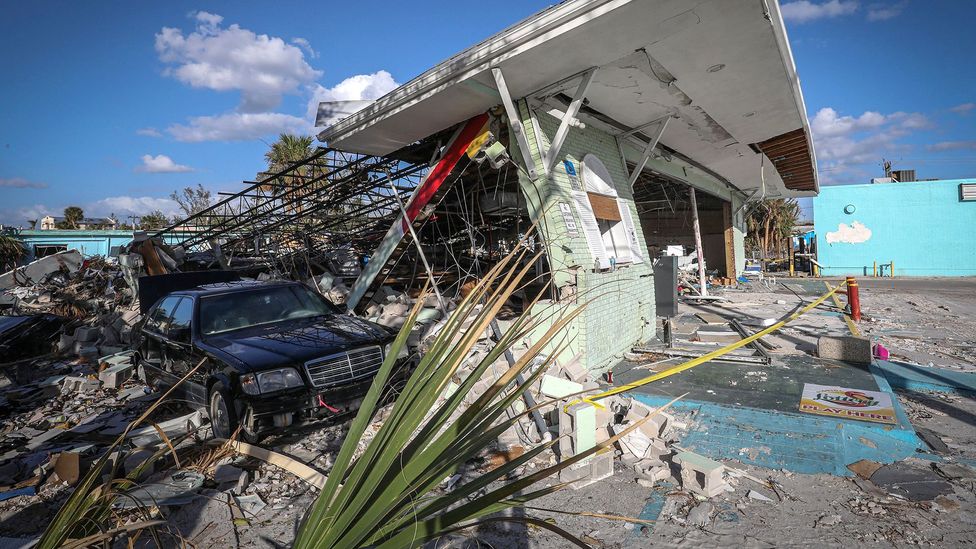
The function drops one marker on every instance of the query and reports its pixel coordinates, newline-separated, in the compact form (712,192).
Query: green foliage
(153,220)
(388,497)
(86,518)
(287,150)
(11,252)
(193,201)
(770,224)
(73,216)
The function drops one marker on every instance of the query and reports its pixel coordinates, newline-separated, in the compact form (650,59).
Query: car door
(151,350)
(180,355)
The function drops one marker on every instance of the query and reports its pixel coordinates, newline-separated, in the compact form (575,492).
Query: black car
(278,354)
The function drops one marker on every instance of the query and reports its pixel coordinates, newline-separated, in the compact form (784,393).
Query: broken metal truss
(309,208)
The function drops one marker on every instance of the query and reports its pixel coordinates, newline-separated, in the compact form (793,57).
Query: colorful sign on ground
(847,403)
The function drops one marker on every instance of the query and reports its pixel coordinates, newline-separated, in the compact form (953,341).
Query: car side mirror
(181,335)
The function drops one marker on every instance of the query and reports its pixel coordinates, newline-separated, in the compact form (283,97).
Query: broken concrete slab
(177,488)
(35,271)
(911,482)
(701,514)
(555,387)
(856,350)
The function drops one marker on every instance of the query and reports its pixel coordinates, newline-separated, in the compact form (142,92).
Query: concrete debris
(701,515)
(177,488)
(856,350)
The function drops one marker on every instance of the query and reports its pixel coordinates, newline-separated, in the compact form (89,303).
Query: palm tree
(11,252)
(73,216)
(284,152)
(770,224)
(287,150)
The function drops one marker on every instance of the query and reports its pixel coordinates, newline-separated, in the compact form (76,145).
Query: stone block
(701,475)
(856,350)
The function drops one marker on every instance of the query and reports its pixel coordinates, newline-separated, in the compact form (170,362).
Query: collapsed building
(664,126)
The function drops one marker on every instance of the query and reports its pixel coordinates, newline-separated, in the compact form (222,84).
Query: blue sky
(112,105)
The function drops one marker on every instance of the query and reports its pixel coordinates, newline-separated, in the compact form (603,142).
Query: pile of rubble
(65,285)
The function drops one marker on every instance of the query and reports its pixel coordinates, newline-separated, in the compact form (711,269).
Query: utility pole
(698,242)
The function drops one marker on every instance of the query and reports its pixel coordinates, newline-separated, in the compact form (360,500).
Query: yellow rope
(708,357)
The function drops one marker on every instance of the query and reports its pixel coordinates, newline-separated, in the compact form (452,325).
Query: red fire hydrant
(853,299)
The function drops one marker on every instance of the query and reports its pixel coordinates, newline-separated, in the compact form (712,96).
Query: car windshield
(233,311)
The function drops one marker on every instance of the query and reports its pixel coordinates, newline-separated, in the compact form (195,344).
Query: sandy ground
(919,322)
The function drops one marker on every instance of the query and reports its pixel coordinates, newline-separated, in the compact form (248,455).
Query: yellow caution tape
(708,357)
(847,318)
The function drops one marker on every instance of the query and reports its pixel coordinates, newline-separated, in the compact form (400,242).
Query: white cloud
(130,205)
(964,108)
(803,11)
(843,142)
(261,67)
(953,146)
(355,88)
(20,216)
(237,127)
(161,164)
(20,183)
(855,233)
(307,46)
(149,132)
(883,12)
(828,123)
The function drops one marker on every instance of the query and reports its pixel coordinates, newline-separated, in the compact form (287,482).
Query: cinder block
(584,426)
(114,376)
(701,475)
(856,350)
(72,384)
(574,370)
(87,333)
(65,342)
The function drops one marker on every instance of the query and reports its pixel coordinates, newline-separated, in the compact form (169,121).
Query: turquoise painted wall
(89,243)
(922,226)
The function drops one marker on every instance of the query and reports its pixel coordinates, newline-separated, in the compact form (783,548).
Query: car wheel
(223,421)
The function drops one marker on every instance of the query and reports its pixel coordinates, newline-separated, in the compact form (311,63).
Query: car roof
(231,287)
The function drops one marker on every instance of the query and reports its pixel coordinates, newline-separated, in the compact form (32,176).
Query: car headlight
(388,348)
(270,381)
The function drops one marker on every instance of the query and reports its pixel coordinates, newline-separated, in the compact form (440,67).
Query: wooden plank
(729,234)
(153,265)
(293,466)
(604,207)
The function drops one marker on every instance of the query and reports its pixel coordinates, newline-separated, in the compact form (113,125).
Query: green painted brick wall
(620,312)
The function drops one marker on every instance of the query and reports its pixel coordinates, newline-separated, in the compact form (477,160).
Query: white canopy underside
(721,68)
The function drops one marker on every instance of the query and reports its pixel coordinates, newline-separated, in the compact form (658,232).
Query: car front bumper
(266,413)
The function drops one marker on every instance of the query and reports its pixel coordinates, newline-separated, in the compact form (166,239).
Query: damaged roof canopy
(722,69)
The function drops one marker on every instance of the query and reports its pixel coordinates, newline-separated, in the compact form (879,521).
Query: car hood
(293,343)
